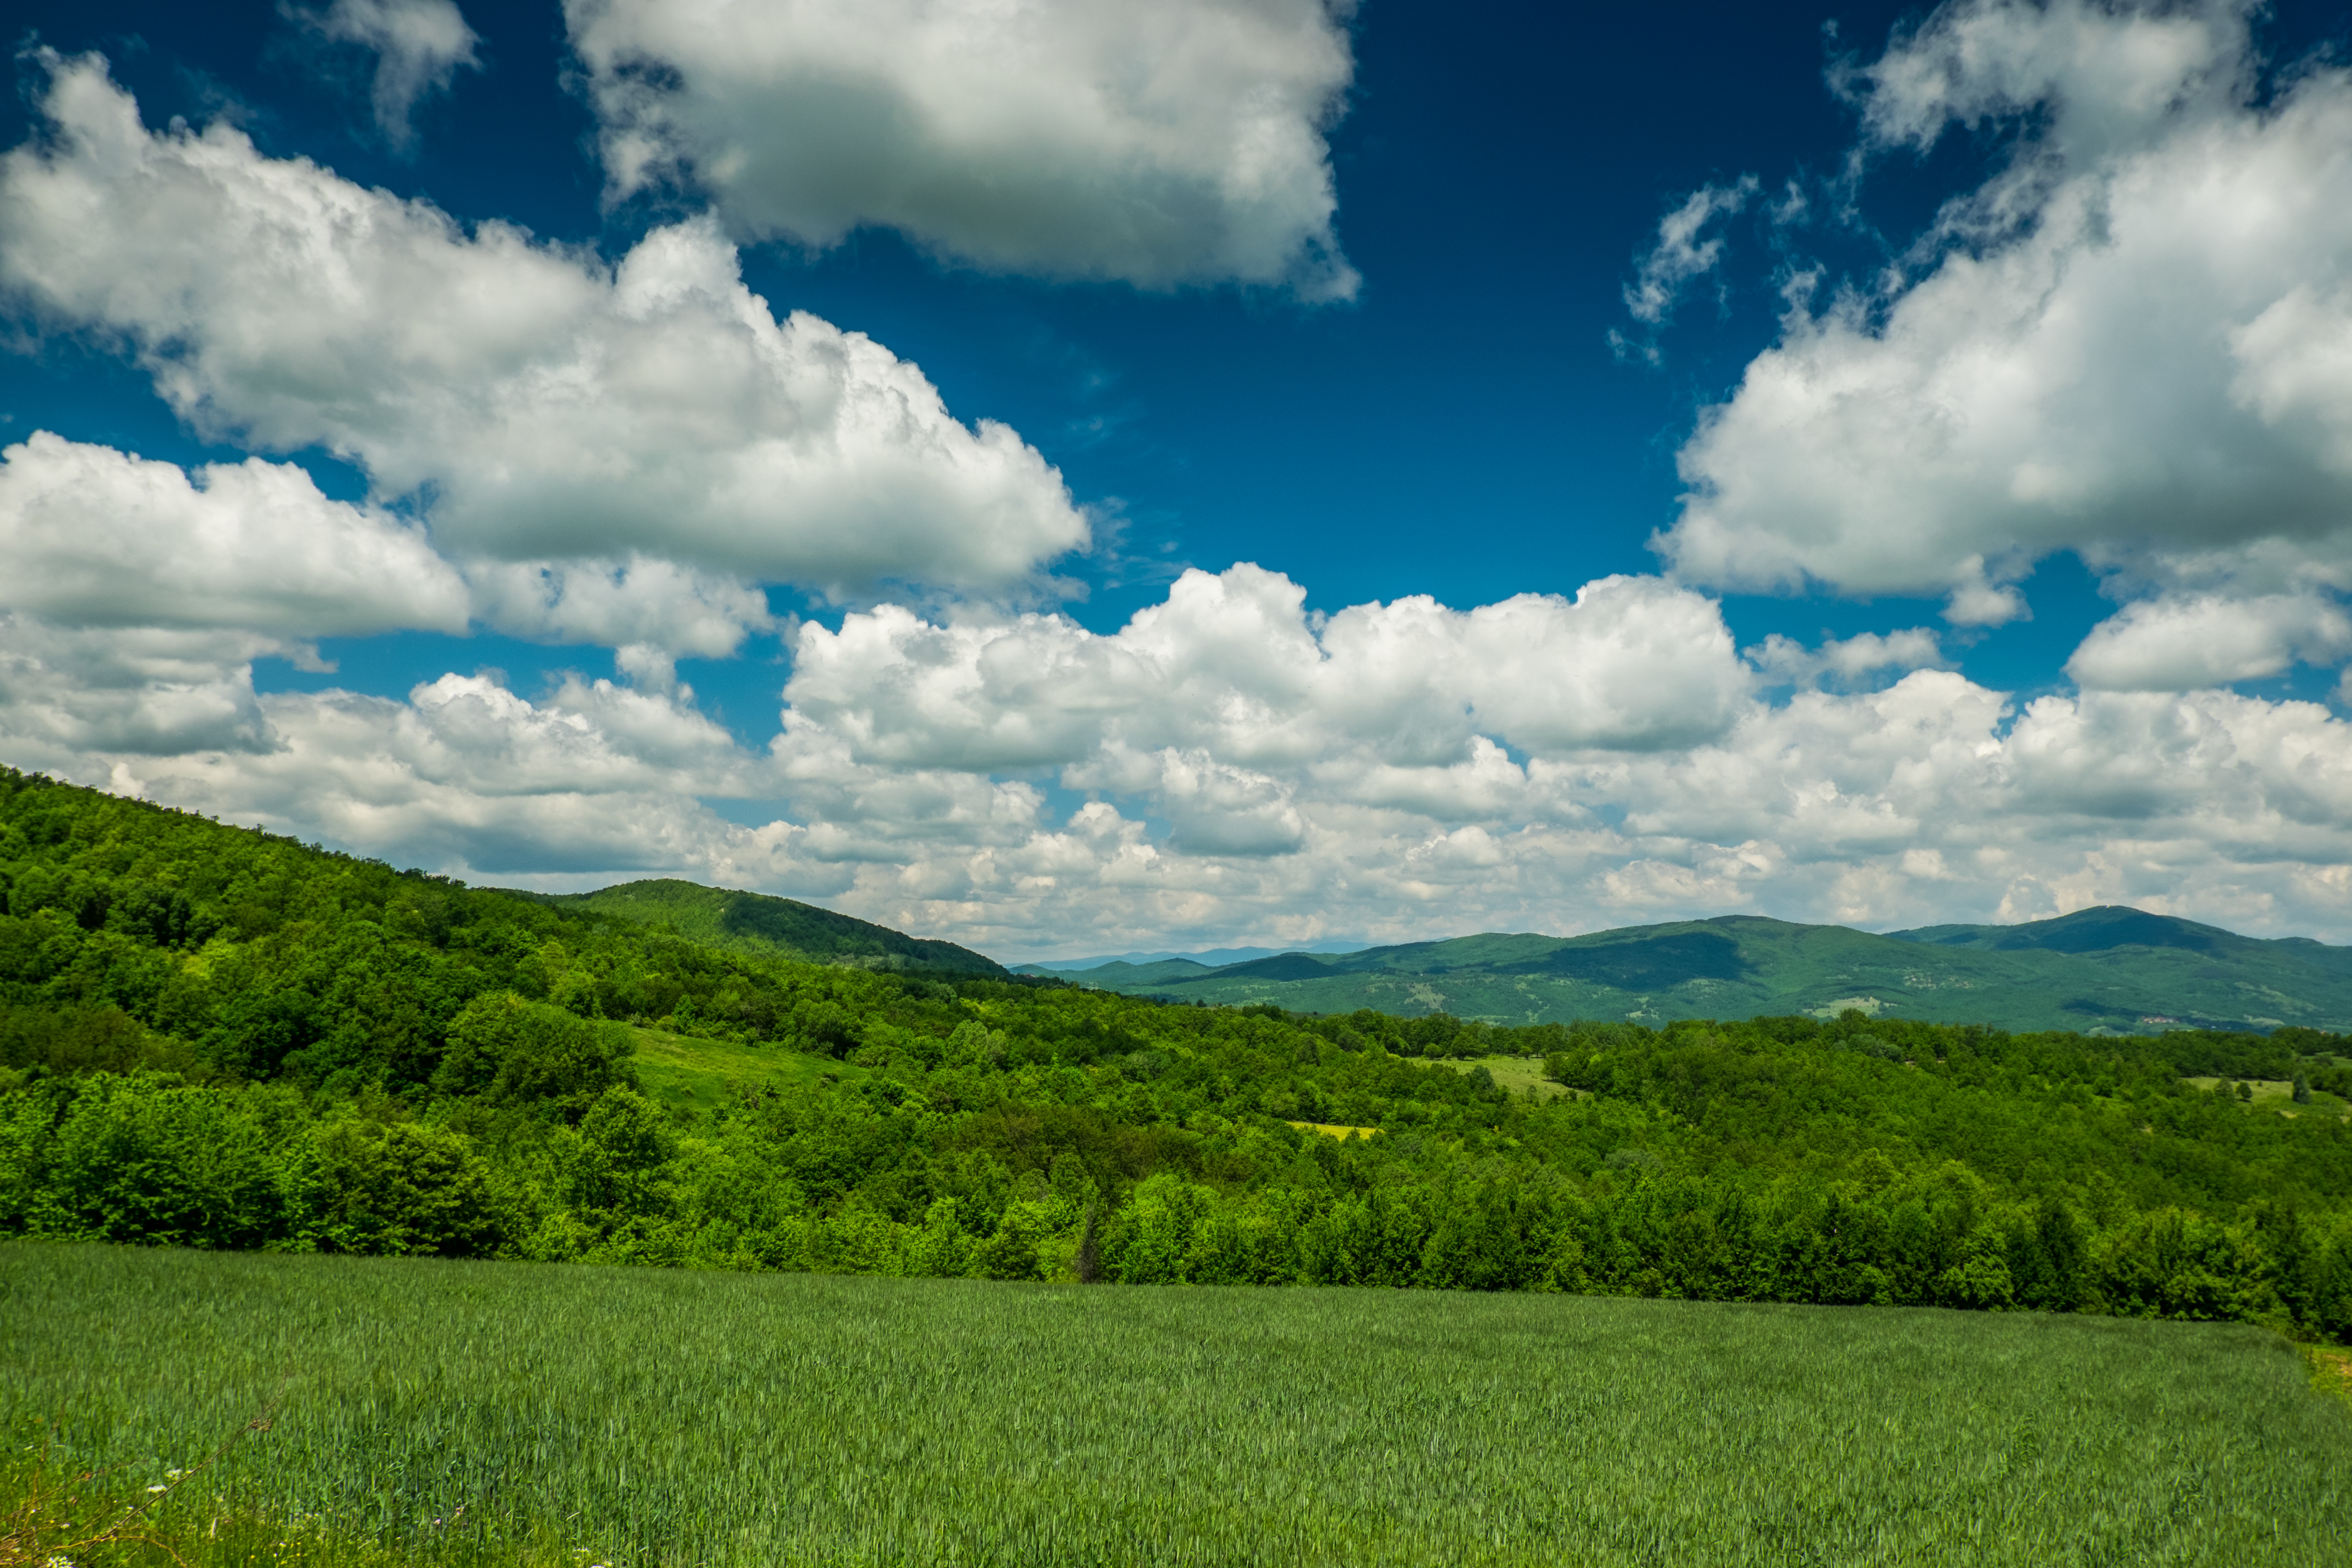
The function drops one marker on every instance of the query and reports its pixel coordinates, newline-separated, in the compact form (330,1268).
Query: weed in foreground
(53,1514)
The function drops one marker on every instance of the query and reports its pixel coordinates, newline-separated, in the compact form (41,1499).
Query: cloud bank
(1230,765)
(1158,143)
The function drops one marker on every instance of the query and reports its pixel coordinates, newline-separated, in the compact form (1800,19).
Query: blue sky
(1484,413)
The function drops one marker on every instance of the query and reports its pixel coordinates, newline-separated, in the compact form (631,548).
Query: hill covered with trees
(2100,971)
(213,1036)
(784,928)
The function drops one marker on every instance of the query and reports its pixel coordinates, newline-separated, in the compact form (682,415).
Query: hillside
(758,923)
(215,1038)
(2107,970)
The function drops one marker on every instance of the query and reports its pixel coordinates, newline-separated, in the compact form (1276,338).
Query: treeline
(215,1038)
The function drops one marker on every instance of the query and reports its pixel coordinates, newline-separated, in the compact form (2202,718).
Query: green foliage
(505,1051)
(470,1413)
(216,1039)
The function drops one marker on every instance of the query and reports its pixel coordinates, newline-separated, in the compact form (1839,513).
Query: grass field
(652,1416)
(2278,1094)
(1517,1074)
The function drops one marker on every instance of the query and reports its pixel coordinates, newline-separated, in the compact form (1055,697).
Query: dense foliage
(217,1037)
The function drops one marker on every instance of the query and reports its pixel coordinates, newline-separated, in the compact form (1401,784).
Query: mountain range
(1211,958)
(2107,970)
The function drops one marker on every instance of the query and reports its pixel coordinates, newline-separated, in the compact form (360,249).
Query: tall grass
(453,1410)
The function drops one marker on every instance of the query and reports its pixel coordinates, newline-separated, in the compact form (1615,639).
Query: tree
(509,1051)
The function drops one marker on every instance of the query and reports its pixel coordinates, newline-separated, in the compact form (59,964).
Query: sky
(1071,475)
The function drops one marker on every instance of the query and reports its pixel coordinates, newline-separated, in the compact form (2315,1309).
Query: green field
(1515,1075)
(648,1415)
(688,1074)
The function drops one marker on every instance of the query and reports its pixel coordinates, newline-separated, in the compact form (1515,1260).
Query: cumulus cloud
(94,536)
(1787,662)
(1235,665)
(650,612)
(2131,342)
(538,405)
(69,694)
(1189,809)
(466,774)
(419,47)
(2181,643)
(1157,141)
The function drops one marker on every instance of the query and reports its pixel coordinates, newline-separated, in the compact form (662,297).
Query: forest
(213,1037)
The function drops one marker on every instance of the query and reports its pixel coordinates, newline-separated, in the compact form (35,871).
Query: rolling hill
(2104,970)
(758,923)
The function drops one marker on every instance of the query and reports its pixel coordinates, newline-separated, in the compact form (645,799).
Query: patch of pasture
(2275,1094)
(1517,1074)
(687,1073)
(657,1417)
(1338,1130)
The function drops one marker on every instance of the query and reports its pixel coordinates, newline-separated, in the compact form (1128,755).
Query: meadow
(472,1411)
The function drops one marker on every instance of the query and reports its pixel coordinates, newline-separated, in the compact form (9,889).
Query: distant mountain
(756,922)
(2111,970)
(1212,958)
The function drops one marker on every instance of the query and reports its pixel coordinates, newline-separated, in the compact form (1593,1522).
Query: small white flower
(152,1489)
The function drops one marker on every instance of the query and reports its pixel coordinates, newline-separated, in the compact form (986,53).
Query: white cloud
(2181,643)
(2130,343)
(650,612)
(419,46)
(71,693)
(1157,141)
(93,537)
(1681,257)
(544,407)
(1233,664)
(1787,662)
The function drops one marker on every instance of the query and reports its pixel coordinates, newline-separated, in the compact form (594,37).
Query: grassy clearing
(646,1415)
(1335,1130)
(2331,1371)
(1518,1074)
(686,1073)
(2278,1094)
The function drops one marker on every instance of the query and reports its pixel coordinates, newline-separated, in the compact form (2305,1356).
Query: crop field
(477,1412)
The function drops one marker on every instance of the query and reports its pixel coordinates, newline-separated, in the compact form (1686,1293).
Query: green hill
(785,928)
(2102,970)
